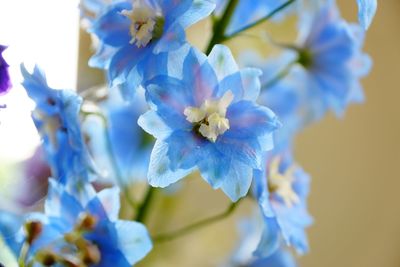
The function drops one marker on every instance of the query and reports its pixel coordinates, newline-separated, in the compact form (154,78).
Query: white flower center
(210,117)
(143,21)
(282,183)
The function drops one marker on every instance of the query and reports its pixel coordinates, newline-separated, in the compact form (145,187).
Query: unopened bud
(46,258)
(33,230)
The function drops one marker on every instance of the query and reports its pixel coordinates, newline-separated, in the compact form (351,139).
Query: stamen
(210,118)
(282,183)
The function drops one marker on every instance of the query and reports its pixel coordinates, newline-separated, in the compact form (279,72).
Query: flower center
(210,118)
(282,183)
(145,23)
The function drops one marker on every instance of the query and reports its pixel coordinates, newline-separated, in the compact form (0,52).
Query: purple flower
(5,83)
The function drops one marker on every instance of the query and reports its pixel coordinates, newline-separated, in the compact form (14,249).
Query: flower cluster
(169,110)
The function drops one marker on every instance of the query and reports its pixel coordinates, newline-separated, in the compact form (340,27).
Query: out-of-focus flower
(9,227)
(128,143)
(282,192)
(5,82)
(87,231)
(333,62)
(56,117)
(207,119)
(132,33)
(250,231)
(366,12)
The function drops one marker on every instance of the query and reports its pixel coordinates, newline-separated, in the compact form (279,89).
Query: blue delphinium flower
(250,231)
(132,33)
(282,191)
(129,144)
(5,82)
(56,117)
(87,231)
(332,63)
(206,119)
(366,12)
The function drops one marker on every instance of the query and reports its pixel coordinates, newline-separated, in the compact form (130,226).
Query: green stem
(144,207)
(23,254)
(279,76)
(190,228)
(113,160)
(221,25)
(263,19)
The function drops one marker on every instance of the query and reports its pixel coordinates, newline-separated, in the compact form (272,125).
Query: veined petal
(113,28)
(160,173)
(223,62)
(133,240)
(366,12)
(238,180)
(154,125)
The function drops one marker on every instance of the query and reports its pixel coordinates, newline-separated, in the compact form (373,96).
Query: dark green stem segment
(144,207)
(193,227)
(263,19)
(221,25)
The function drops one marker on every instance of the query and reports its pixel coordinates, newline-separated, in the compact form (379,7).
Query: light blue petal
(160,173)
(223,62)
(270,240)
(154,125)
(213,166)
(199,10)
(366,12)
(133,240)
(110,200)
(237,181)
(172,39)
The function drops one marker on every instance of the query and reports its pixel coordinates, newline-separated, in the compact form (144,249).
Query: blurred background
(354,197)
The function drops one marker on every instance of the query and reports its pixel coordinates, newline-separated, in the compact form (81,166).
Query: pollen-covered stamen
(282,183)
(210,118)
(144,23)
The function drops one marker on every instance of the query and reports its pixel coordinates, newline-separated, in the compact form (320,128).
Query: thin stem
(263,19)
(23,254)
(144,207)
(279,76)
(113,160)
(200,224)
(221,25)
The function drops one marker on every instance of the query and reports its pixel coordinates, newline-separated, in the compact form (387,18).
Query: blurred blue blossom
(136,36)
(130,145)
(88,231)
(333,62)
(282,191)
(56,117)
(207,120)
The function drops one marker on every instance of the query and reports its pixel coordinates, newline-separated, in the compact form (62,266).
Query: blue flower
(56,117)
(206,119)
(136,37)
(366,12)
(332,63)
(88,230)
(130,145)
(282,191)
(5,83)
(250,230)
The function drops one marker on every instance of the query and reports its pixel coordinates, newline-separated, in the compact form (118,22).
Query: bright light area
(43,32)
